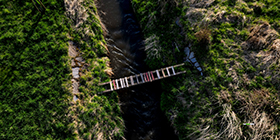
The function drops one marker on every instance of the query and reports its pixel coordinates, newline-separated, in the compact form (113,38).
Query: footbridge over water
(141,78)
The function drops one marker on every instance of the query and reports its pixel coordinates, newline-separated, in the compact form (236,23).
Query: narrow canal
(140,104)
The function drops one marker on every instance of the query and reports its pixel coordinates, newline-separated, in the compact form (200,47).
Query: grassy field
(235,42)
(36,99)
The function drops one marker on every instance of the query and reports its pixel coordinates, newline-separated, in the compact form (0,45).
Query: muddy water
(140,104)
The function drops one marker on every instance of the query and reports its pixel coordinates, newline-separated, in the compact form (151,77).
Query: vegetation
(36,99)
(237,85)
(97,116)
(35,74)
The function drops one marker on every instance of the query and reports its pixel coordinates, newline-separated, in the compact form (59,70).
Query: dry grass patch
(260,37)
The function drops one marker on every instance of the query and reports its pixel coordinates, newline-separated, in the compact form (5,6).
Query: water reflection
(140,104)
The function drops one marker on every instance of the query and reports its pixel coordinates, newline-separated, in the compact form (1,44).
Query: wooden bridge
(141,78)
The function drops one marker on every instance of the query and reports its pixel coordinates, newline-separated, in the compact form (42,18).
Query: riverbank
(223,36)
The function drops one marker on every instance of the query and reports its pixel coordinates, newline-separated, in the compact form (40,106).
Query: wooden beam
(101,84)
(179,65)
(108,90)
(173,70)
(180,72)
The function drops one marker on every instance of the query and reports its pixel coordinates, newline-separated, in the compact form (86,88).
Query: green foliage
(95,109)
(33,70)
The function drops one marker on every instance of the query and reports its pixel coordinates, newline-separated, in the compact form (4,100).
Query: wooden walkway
(141,78)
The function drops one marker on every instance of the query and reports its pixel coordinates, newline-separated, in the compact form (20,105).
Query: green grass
(35,76)
(34,96)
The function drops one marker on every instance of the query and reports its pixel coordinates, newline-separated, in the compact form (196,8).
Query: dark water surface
(140,104)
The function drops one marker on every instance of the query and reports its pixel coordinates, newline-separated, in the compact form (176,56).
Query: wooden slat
(149,74)
(114,84)
(173,70)
(123,83)
(167,71)
(121,80)
(158,74)
(117,84)
(131,80)
(126,82)
(137,79)
(152,75)
(111,85)
(163,73)
(142,77)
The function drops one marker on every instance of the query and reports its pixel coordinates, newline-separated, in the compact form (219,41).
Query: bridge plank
(142,78)
(147,78)
(137,79)
(173,70)
(152,75)
(114,84)
(121,80)
(158,74)
(131,80)
(111,85)
(163,72)
(126,82)
(117,84)
(149,74)
(167,71)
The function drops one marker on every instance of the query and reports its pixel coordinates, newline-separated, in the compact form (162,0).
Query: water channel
(140,104)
